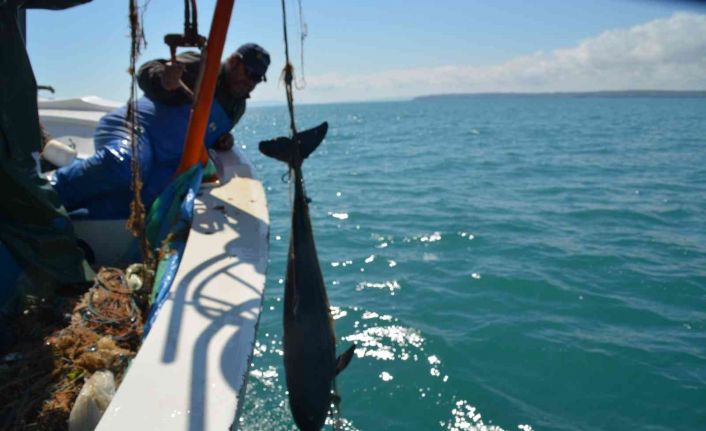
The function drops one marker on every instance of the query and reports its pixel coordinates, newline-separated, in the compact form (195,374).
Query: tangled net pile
(62,345)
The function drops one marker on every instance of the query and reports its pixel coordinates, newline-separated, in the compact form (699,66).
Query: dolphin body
(310,361)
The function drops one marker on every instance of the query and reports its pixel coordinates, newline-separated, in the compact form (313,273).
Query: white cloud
(666,53)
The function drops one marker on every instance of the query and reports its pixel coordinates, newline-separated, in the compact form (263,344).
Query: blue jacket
(102,183)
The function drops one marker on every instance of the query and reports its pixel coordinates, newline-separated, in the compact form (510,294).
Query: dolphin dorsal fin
(344,359)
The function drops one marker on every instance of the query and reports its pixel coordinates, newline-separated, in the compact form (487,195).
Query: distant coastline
(615,94)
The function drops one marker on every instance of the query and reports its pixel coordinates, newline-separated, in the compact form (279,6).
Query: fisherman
(36,233)
(101,183)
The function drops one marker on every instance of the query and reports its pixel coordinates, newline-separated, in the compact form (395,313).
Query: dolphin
(310,360)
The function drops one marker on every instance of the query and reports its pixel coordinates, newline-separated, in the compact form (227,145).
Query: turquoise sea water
(520,262)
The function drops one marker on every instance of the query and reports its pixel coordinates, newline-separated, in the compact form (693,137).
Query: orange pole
(194,149)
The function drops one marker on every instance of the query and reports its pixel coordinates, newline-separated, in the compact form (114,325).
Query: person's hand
(172,75)
(224,143)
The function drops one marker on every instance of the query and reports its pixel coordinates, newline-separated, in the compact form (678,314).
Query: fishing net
(62,343)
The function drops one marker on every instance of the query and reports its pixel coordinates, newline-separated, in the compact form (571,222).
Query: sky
(368,50)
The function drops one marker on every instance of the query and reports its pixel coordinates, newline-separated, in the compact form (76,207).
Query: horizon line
(626,93)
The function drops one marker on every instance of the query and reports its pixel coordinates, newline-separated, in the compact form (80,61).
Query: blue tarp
(168,225)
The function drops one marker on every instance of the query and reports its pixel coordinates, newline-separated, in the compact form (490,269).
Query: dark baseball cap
(255,59)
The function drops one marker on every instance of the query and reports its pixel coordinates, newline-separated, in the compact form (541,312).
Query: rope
(288,76)
(303,33)
(136,221)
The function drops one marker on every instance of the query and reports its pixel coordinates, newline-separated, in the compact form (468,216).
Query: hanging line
(303,33)
(136,221)
(288,76)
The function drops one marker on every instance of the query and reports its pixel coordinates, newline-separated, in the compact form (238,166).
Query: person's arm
(107,171)
(156,78)
(51,4)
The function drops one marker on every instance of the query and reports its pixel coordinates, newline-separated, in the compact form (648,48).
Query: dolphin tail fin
(344,359)
(283,148)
